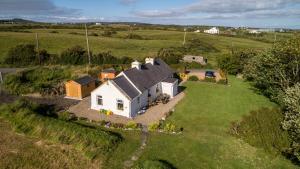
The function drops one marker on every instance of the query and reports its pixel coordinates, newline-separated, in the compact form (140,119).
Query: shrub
(210,80)
(24,54)
(53,32)
(65,116)
(193,78)
(108,33)
(131,125)
(153,126)
(262,128)
(75,55)
(169,127)
(93,34)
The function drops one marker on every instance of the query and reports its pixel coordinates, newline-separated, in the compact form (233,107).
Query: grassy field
(118,45)
(19,151)
(206,114)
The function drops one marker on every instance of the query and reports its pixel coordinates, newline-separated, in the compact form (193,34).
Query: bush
(75,56)
(108,33)
(131,125)
(210,80)
(93,34)
(53,32)
(153,126)
(169,127)
(25,118)
(35,80)
(65,116)
(262,128)
(193,78)
(20,55)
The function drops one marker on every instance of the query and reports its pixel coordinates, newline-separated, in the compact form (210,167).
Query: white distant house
(213,30)
(98,23)
(197,31)
(254,31)
(135,88)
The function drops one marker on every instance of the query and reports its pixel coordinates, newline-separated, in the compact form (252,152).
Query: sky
(237,13)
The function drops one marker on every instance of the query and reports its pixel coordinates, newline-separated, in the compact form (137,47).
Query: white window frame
(121,102)
(99,97)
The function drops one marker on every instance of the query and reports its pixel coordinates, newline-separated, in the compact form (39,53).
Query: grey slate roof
(170,80)
(126,87)
(149,75)
(109,70)
(84,80)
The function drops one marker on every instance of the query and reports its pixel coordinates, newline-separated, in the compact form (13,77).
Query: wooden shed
(107,74)
(80,88)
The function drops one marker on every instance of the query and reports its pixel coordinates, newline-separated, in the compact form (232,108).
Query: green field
(118,45)
(206,114)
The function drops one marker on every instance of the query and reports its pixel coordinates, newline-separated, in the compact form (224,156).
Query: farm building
(107,74)
(135,88)
(198,59)
(80,88)
(213,30)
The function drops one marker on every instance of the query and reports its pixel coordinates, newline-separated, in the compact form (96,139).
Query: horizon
(227,13)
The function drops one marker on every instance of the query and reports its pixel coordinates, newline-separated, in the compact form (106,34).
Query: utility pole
(184,37)
(87,44)
(37,46)
(1,78)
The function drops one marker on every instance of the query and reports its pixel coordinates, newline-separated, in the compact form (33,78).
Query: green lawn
(205,114)
(155,39)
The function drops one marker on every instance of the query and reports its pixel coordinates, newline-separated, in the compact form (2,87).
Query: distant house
(135,88)
(198,59)
(197,31)
(254,31)
(107,74)
(213,30)
(80,88)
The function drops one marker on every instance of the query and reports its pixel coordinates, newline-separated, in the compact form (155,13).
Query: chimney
(136,64)
(149,60)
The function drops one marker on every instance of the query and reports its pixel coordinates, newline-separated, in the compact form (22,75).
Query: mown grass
(206,114)
(55,43)
(30,119)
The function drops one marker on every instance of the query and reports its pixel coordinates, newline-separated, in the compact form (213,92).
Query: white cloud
(210,9)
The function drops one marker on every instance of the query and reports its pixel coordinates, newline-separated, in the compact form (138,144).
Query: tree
(235,63)
(276,69)
(169,55)
(75,56)
(291,123)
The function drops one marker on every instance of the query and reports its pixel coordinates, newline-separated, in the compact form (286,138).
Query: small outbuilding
(198,59)
(107,74)
(80,88)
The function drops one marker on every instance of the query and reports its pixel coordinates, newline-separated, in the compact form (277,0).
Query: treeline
(26,54)
(276,74)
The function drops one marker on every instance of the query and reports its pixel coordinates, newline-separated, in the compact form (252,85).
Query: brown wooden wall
(75,90)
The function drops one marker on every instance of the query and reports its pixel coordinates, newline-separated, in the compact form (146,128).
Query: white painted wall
(170,89)
(110,93)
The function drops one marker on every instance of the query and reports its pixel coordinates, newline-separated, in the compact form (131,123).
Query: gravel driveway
(153,114)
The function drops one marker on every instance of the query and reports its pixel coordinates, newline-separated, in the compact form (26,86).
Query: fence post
(1,81)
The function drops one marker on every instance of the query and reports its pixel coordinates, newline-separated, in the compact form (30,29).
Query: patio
(152,115)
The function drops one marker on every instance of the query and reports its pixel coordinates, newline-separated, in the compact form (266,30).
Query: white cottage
(213,30)
(135,88)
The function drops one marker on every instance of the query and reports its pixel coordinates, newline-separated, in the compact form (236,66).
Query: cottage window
(120,105)
(99,100)
(157,89)
(138,100)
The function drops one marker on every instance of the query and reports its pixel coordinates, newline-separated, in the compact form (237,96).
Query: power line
(87,44)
